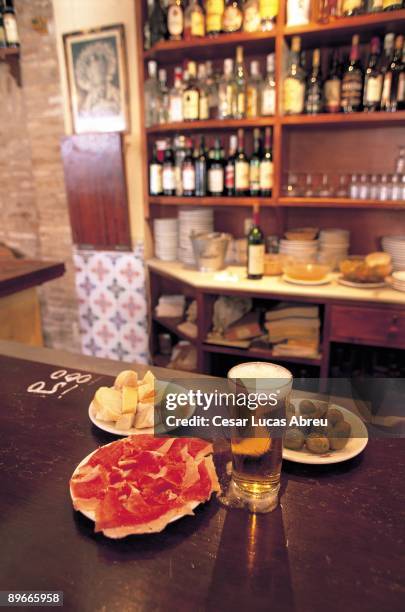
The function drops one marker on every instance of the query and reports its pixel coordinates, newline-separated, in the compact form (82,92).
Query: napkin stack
(293,329)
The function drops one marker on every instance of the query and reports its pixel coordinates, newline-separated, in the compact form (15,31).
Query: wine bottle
(200,164)
(352,81)
(393,94)
(214,10)
(255,240)
(333,84)
(241,168)
(188,172)
(168,172)
(230,167)
(373,80)
(216,171)
(158,25)
(266,167)
(175,19)
(155,174)
(294,82)
(254,165)
(313,97)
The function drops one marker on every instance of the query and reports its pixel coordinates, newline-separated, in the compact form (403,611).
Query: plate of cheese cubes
(133,405)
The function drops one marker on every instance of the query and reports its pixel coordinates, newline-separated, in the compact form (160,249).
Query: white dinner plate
(348,283)
(314,283)
(162,386)
(355,445)
(91,515)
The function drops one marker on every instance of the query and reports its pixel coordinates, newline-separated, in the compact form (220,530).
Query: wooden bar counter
(20,317)
(335,543)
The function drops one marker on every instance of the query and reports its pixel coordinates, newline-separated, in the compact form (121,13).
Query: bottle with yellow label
(194,20)
(214,9)
(268,13)
(255,240)
(240,86)
(294,82)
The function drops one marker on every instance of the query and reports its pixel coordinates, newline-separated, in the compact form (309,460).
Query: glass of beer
(257,445)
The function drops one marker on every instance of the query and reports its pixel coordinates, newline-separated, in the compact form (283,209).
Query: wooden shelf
(209,201)
(9,52)
(341,203)
(210,124)
(343,118)
(171,324)
(210,47)
(339,31)
(258,354)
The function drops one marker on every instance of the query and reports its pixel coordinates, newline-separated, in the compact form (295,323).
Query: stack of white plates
(395,246)
(196,220)
(300,249)
(166,238)
(333,245)
(398,281)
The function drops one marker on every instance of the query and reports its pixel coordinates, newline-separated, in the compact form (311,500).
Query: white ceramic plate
(161,387)
(355,445)
(294,281)
(347,283)
(90,514)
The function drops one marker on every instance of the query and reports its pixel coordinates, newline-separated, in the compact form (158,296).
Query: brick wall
(33,205)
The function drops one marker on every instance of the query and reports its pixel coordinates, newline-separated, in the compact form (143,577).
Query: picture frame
(97,78)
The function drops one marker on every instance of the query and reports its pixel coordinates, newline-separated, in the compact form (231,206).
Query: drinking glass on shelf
(309,188)
(354,187)
(364,188)
(342,190)
(324,188)
(374,181)
(292,185)
(384,188)
(396,187)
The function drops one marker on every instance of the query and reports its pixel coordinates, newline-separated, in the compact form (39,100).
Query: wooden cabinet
(372,326)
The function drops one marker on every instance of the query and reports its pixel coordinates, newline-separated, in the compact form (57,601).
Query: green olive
(294,439)
(308,409)
(317,444)
(322,408)
(334,416)
(339,435)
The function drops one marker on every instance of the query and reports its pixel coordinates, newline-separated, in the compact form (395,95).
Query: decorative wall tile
(111,293)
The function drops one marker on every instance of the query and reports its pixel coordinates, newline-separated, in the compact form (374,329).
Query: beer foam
(259,369)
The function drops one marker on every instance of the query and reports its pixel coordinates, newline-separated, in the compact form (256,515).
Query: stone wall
(33,205)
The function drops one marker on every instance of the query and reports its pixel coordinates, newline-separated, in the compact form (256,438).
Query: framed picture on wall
(97,76)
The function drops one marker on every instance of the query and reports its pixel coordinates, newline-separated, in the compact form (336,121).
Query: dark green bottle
(255,265)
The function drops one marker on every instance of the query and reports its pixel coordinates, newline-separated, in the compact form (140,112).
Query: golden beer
(257,451)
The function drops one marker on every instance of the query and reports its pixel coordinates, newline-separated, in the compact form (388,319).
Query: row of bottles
(178,19)
(301,12)
(187,168)
(349,86)
(198,93)
(8,25)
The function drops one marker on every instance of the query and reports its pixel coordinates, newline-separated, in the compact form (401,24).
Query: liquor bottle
(266,167)
(200,164)
(268,94)
(188,172)
(191,95)
(152,95)
(203,109)
(298,12)
(232,17)
(374,6)
(268,13)
(194,20)
(176,97)
(251,16)
(214,9)
(158,25)
(254,165)
(393,94)
(227,92)
(294,82)
(10,24)
(313,97)
(3,40)
(168,172)
(155,174)
(255,240)
(146,26)
(332,85)
(253,91)
(352,7)
(241,168)
(175,19)
(230,166)
(373,80)
(352,81)
(163,110)
(216,171)
(392,5)
(240,85)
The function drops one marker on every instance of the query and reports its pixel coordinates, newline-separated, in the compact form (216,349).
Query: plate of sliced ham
(142,483)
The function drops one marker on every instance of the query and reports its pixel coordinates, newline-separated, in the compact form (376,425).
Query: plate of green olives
(326,433)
